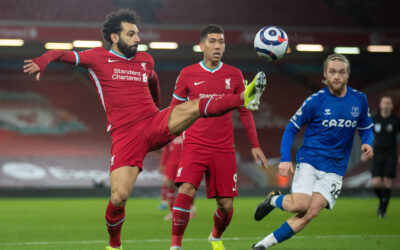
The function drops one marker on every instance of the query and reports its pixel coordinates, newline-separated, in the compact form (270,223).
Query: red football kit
(129,91)
(208,145)
(170,157)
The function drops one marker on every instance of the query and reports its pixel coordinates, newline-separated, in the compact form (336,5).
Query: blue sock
(279,201)
(283,233)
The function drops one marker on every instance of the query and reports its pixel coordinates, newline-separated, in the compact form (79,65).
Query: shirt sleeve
(180,92)
(54,56)
(287,141)
(303,114)
(365,120)
(154,87)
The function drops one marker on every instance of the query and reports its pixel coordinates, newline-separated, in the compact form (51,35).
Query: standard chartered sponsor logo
(128,75)
(341,123)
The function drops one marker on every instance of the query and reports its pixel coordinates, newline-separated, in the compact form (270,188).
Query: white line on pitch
(350,236)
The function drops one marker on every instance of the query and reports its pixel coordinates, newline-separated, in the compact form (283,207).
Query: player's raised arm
(31,68)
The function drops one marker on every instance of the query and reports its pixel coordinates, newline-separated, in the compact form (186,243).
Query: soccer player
(384,164)
(128,90)
(332,116)
(208,145)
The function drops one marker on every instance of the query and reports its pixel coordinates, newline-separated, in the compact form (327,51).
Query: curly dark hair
(212,28)
(114,20)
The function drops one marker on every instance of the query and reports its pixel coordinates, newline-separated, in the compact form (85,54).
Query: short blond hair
(337,57)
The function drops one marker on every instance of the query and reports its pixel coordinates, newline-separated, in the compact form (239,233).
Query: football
(271,42)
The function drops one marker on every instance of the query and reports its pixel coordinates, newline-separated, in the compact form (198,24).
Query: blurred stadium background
(53,140)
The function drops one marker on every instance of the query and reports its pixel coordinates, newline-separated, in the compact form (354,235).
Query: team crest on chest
(355,111)
(143,65)
(228,83)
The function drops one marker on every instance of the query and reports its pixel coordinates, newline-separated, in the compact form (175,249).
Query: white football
(271,42)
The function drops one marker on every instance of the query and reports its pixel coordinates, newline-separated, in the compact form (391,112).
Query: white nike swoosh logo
(111,61)
(197,83)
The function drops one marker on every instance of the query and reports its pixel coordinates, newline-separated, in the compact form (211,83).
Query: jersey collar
(122,56)
(210,70)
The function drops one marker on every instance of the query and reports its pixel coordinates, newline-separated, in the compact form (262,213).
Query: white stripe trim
(370,126)
(205,109)
(179,98)
(98,85)
(180,209)
(216,214)
(295,124)
(211,70)
(77,59)
(116,224)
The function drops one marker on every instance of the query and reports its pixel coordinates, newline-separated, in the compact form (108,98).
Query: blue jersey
(331,124)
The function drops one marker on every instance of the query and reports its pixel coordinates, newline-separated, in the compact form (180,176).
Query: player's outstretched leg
(265,207)
(254,90)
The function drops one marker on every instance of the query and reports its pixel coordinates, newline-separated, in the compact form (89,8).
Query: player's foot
(168,216)
(216,244)
(257,248)
(162,206)
(175,248)
(113,248)
(254,90)
(264,208)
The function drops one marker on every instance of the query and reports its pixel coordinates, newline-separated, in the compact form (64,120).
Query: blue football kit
(331,124)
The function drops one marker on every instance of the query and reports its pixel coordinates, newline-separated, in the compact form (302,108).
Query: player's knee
(188,189)
(119,198)
(311,214)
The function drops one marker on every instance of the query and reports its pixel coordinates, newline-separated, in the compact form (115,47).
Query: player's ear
(202,46)
(114,37)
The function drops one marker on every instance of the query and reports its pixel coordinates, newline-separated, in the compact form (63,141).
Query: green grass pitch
(79,224)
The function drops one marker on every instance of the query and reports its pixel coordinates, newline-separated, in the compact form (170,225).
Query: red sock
(115,217)
(221,222)
(180,217)
(219,105)
(171,197)
(164,191)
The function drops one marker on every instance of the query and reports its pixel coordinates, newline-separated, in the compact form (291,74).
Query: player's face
(336,76)
(128,41)
(213,47)
(386,104)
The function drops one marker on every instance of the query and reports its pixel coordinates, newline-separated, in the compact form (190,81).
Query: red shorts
(131,143)
(219,168)
(170,170)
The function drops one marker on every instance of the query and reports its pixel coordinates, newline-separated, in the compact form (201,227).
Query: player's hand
(31,68)
(258,156)
(285,167)
(367,152)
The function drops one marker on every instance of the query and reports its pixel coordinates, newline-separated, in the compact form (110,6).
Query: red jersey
(215,133)
(123,84)
(171,153)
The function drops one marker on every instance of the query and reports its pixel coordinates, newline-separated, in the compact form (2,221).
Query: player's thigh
(183,115)
(221,178)
(122,181)
(156,131)
(318,202)
(329,185)
(304,179)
